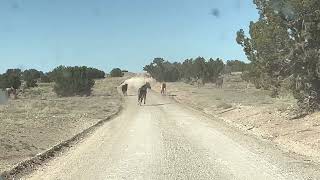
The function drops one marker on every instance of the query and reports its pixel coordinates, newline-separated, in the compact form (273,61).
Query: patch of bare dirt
(254,111)
(39,119)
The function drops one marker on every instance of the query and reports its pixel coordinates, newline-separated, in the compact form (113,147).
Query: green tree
(237,66)
(12,78)
(187,69)
(116,72)
(190,69)
(199,68)
(214,69)
(284,44)
(163,70)
(94,73)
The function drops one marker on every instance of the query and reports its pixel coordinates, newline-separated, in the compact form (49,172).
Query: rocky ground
(39,119)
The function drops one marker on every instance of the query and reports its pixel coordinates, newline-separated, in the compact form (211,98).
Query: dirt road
(164,140)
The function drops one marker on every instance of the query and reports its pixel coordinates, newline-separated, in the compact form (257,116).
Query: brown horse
(124,89)
(163,88)
(142,93)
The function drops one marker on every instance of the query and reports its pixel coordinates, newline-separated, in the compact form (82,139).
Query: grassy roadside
(39,119)
(255,112)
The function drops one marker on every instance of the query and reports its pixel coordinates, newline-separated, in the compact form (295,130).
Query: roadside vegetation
(282,48)
(52,107)
(69,81)
(39,119)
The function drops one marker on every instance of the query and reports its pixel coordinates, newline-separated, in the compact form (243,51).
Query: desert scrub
(71,81)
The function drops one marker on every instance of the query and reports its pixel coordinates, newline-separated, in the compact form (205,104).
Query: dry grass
(255,112)
(39,119)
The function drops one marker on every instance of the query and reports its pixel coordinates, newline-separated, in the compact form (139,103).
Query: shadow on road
(160,104)
(131,95)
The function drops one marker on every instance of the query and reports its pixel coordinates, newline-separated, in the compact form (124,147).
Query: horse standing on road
(163,88)
(142,93)
(124,88)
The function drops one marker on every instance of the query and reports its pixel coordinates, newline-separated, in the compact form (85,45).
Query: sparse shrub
(70,81)
(116,72)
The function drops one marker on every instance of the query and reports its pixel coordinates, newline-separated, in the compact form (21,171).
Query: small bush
(70,81)
(116,72)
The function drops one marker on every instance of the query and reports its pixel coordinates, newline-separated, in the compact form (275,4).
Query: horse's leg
(145,98)
(139,100)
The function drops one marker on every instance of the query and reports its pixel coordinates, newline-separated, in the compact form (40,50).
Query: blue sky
(128,34)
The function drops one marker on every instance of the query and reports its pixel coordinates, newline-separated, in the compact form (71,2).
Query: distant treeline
(193,69)
(68,81)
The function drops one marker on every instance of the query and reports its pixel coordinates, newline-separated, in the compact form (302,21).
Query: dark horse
(124,89)
(142,93)
(163,88)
